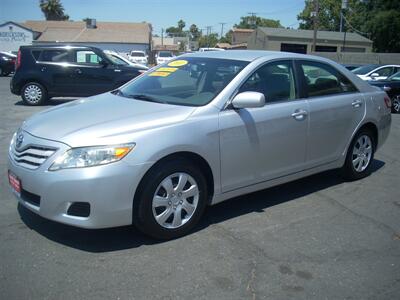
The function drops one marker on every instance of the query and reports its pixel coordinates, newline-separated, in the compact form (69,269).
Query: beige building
(301,41)
(240,36)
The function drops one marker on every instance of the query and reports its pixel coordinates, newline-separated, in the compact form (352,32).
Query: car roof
(68,47)
(248,55)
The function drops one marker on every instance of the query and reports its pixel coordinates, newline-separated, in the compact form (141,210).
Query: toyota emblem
(19,141)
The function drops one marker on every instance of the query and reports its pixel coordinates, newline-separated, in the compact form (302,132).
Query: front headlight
(91,156)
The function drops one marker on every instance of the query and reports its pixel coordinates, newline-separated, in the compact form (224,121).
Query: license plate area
(15,183)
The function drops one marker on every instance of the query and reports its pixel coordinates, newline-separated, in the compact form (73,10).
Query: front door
(91,75)
(259,144)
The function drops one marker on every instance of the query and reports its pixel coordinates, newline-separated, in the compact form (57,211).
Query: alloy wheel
(396,104)
(362,153)
(175,200)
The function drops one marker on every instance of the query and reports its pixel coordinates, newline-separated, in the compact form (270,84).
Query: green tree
(249,22)
(176,31)
(227,38)
(53,10)
(209,40)
(181,24)
(378,20)
(194,32)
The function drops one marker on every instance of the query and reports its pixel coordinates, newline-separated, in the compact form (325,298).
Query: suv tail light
(18,64)
(388,102)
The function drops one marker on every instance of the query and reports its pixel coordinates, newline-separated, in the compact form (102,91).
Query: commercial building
(301,41)
(13,35)
(116,36)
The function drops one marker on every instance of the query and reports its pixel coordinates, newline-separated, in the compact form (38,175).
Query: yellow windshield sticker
(159,74)
(167,69)
(178,63)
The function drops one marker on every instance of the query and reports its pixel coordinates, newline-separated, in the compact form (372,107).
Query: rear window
(58,55)
(137,54)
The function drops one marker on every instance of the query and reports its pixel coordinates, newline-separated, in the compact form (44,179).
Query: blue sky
(161,13)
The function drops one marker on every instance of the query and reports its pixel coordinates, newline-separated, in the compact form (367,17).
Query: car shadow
(51,102)
(127,237)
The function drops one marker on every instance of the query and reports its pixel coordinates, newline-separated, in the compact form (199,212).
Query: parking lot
(316,238)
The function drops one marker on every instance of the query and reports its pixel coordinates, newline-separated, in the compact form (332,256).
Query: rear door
(55,67)
(91,75)
(336,108)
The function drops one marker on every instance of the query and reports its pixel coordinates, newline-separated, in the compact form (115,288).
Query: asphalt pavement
(316,238)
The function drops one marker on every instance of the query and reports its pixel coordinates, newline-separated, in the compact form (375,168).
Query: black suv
(42,72)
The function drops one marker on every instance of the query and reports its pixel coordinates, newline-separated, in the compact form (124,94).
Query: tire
(34,94)
(359,156)
(160,200)
(396,104)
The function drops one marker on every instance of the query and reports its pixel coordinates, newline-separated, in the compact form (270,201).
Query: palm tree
(53,10)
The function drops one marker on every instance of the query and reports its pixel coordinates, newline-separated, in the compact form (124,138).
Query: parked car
(351,67)
(121,60)
(7,63)
(43,72)
(138,57)
(392,87)
(163,56)
(210,49)
(376,72)
(196,131)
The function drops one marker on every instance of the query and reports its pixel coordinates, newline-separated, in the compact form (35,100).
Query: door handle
(117,70)
(356,103)
(299,114)
(43,69)
(78,71)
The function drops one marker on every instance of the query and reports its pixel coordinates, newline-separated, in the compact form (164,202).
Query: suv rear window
(58,55)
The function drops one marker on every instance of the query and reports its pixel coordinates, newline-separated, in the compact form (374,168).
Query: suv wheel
(172,201)
(34,93)
(396,104)
(359,156)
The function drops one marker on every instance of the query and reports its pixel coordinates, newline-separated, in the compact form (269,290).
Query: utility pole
(162,36)
(222,28)
(343,22)
(253,20)
(208,35)
(315,15)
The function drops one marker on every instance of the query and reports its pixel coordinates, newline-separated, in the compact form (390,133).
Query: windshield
(138,54)
(164,54)
(364,69)
(116,60)
(191,81)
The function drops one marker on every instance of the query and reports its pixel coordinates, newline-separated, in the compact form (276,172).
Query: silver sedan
(198,130)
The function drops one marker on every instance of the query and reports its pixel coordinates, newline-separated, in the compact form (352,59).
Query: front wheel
(396,104)
(359,156)
(34,94)
(170,200)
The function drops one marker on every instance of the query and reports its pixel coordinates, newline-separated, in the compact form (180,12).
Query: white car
(138,57)
(164,56)
(121,58)
(376,72)
(210,49)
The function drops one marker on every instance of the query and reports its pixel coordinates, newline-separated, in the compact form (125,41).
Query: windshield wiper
(145,98)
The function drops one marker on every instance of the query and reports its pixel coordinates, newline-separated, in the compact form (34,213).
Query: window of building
(320,48)
(322,79)
(296,48)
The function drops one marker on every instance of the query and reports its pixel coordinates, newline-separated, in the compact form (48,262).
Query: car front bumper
(108,189)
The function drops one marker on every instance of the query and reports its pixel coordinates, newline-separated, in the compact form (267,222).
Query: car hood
(101,119)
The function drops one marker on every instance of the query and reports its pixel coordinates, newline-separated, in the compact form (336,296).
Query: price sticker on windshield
(167,70)
(178,63)
(159,74)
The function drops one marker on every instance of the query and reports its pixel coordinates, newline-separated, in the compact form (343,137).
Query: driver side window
(275,80)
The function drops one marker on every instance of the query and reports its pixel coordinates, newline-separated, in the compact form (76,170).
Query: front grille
(32,156)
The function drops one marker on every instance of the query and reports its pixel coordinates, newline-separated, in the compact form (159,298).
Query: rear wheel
(360,155)
(34,93)
(396,104)
(171,200)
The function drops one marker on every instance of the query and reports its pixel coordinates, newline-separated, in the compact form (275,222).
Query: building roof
(15,24)
(308,34)
(105,32)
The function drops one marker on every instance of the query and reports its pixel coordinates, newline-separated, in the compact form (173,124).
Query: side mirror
(374,75)
(248,100)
